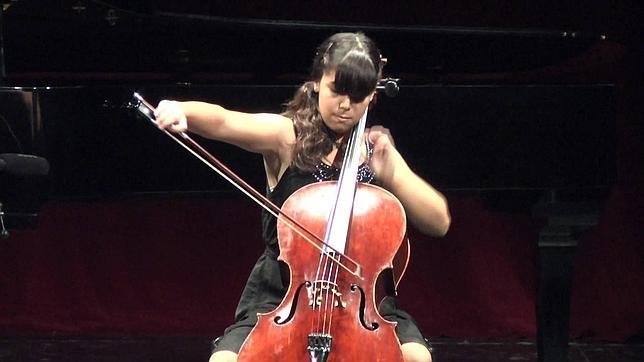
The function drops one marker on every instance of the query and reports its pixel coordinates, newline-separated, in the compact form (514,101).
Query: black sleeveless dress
(268,281)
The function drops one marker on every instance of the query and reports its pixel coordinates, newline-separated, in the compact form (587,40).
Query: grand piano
(524,118)
(498,109)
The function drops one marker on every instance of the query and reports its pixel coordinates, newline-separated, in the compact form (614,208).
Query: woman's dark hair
(358,66)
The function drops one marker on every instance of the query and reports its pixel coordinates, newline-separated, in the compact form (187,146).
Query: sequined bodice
(325,172)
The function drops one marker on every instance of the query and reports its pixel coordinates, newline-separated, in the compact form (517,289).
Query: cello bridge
(322,289)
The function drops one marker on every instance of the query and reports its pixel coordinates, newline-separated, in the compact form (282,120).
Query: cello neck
(338,225)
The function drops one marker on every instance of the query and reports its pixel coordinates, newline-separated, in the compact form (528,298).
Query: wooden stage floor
(189,349)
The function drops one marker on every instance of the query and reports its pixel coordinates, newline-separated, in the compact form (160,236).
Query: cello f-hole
(291,312)
(373,325)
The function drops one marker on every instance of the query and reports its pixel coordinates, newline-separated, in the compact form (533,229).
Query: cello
(329,312)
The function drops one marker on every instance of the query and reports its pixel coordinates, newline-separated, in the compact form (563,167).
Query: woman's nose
(345,102)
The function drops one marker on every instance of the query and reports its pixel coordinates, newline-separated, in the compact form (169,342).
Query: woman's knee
(415,352)
(223,356)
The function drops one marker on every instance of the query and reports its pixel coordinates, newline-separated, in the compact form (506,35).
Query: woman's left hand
(426,208)
(385,157)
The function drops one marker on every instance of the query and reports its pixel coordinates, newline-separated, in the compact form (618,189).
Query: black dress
(268,281)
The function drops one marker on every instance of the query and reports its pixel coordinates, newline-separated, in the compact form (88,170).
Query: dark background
(500,103)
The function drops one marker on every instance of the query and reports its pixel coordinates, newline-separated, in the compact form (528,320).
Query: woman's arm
(263,133)
(271,135)
(426,208)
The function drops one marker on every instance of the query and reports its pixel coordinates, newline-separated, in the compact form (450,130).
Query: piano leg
(557,244)
(553,303)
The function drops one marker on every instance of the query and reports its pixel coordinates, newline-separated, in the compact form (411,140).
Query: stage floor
(188,349)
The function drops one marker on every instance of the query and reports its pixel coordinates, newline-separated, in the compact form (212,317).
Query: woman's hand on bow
(171,116)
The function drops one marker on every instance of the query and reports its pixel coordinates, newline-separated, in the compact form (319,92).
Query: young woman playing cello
(304,145)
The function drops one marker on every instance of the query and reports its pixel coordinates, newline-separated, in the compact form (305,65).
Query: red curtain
(177,267)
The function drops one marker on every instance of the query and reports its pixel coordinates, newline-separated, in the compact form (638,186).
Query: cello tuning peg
(389,86)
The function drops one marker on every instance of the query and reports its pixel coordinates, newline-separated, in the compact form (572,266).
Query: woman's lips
(343,118)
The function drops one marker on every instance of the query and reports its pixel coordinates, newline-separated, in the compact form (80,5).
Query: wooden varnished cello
(329,312)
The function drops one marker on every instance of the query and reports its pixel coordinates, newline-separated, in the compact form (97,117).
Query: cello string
(321,278)
(327,309)
(347,187)
(337,235)
(333,295)
(315,323)
(322,282)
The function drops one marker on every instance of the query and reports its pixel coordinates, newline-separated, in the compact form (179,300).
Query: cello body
(344,307)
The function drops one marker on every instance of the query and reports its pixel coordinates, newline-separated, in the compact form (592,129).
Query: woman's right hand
(171,116)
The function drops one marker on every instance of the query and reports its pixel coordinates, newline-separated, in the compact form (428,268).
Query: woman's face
(338,111)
